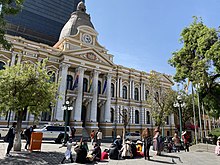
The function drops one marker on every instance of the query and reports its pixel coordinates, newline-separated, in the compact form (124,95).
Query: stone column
(13,57)
(19,58)
(121,87)
(130,89)
(61,91)
(108,102)
(132,92)
(118,88)
(172,120)
(78,103)
(95,96)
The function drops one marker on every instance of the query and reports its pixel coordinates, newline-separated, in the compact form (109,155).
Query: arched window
(85,85)
(112,115)
(148,117)
(69,82)
(52,76)
(136,94)
(136,117)
(2,65)
(46,115)
(99,87)
(146,94)
(125,91)
(112,90)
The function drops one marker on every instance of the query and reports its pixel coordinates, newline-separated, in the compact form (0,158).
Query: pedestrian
(68,153)
(217,148)
(96,153)
(81,153)
(126,151)
(157,141)
(114,152)
(185,138)
(177,142)
(92,137)
(147,142)
(27,134)
(99,137)
(10,138)
(118,142)
(73,132)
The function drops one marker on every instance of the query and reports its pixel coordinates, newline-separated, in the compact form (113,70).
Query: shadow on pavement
(24,158)
(160,161)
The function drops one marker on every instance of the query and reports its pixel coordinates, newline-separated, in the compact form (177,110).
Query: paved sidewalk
(51,154)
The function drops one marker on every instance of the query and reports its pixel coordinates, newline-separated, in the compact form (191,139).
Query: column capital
(64,66)
(81,69)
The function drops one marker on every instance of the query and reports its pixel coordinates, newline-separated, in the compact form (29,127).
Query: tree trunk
(17,141)
(123,136)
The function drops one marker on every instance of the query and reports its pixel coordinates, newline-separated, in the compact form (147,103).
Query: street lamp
(179,104)
(66,107)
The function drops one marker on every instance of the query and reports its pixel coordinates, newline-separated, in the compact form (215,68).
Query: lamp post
(66,107)
(180,104)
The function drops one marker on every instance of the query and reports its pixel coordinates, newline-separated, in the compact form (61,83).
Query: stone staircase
(202,147)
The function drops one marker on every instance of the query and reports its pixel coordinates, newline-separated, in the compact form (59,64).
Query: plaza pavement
(51,154)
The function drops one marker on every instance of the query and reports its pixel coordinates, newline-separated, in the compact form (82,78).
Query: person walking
(28,133)
(11,136)
(177,142)
(185,138)
(157,142)
(99,137)
(92,137)
(68,153)
(147,142)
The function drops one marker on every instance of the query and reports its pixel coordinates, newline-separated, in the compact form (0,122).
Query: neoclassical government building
(98,89)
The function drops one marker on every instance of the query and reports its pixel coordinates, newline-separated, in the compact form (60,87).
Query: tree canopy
(26,87)
(199,61)
(7,7)
(160,99)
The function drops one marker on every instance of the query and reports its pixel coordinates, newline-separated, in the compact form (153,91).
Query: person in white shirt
(99,137)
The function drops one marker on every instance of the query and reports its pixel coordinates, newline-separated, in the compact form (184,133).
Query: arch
(99,87)
(112,115)
(124,92)
(112,90)
(136,94)
(148,117)
(69,84)
(137,117)
(2,65)
(146,94)
(52,76)
(85,85)
(83,116)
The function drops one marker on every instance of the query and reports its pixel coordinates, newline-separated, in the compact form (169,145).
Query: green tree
(161,99)
(26,87)
(199,61)
(7,7)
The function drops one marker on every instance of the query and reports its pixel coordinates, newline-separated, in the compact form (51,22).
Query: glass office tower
(41,20)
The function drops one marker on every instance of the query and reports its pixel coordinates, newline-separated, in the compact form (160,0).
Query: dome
(78,18)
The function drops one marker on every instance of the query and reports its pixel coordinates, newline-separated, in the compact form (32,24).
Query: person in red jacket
(185,138)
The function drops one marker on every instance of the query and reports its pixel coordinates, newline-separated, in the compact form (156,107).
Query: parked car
(133,136)
(54,132)
(3,131)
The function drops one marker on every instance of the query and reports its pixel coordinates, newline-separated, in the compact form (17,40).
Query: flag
(187,86)
(75,84)
(90,83)
(104,87)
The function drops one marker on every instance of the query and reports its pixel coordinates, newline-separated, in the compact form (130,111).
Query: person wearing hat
(68,153)
(185,138)
(217,148)
(126,151)
(118,142)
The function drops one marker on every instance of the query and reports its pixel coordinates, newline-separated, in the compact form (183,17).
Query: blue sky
(142,34)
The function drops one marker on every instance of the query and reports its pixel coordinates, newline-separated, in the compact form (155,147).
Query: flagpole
(194,114)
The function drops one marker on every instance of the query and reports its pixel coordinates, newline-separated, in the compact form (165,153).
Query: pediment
(90,55)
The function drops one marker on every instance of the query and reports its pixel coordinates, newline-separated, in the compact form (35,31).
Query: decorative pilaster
(61,92)
(13,57)
(108,102)
(78,103)
(95,96)
(120,84)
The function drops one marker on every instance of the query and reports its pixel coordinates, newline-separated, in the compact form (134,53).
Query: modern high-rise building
(41,20)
